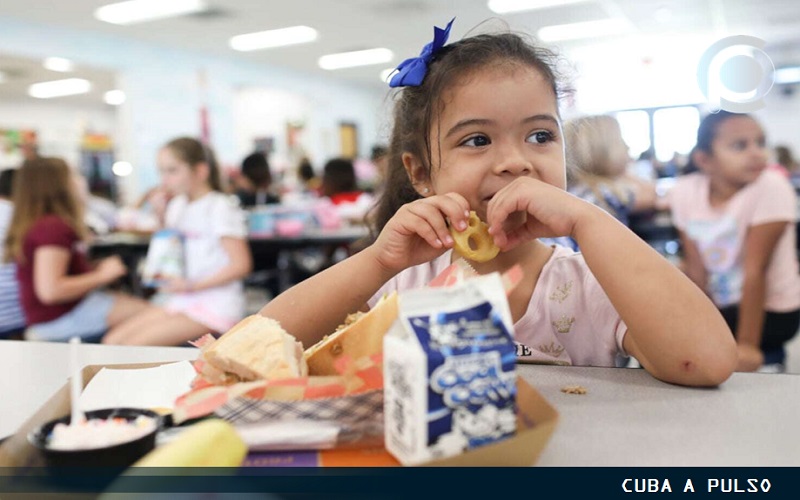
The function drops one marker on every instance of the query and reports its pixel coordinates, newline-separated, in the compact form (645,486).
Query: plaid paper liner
(361,376)
(353,409)
(354,396)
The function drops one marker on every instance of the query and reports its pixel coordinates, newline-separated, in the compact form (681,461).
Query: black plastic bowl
(118,455)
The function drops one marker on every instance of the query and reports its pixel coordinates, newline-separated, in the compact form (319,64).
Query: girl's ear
(418,174)
(703,160)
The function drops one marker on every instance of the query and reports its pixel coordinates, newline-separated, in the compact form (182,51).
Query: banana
(210,443)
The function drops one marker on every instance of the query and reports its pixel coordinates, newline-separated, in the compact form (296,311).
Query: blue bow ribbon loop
(412,71)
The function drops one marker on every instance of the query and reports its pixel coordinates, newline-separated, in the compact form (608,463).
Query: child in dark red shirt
(58,288)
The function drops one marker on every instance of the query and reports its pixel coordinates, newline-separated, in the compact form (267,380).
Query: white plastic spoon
(76,382)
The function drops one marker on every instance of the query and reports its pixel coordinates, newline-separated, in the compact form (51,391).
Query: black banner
(489,483)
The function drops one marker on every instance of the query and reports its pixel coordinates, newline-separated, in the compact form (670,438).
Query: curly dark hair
(416,108)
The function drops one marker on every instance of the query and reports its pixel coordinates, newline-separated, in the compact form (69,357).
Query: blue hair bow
(412,71)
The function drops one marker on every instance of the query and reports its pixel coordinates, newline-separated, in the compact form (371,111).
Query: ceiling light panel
(140,11)
(508,6)
(59,88)
(58,64)
(589,29)
(356,58)
(273,38)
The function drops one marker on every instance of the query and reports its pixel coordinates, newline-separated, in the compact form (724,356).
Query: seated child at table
(477,127)
(59,291)
(339,181)
(255,170)
(310,182)
(211,296)
(736,220)
(597,162)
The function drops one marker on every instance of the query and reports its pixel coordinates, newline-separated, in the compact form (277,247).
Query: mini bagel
(475,243)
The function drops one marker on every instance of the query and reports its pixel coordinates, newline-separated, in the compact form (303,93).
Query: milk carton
(165,259)
(449,381)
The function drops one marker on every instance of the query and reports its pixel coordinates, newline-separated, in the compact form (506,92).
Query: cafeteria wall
(166,89)
(59,126)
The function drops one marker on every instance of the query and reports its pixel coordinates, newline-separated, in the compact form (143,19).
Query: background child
(308,177)
(785,159)
(597,163)
(339,181)
(211,297)
(12,321)
(476,126)
(255,168)
(736,222)
(58,289)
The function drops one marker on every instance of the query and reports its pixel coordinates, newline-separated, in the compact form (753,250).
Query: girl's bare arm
(416,234)
(53,285)
(693,261)
(314,308)
(759,246)
(674,330)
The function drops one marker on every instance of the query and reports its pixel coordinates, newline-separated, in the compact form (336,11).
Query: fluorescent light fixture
(787,75)
(356,58)
(139,11)
(58,64)
(506,6)
(273,38)
(589,29)
(114,97)
(122,168)
(386,74)
(59,88)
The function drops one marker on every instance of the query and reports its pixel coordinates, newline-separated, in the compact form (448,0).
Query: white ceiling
(404,26)
(19,73)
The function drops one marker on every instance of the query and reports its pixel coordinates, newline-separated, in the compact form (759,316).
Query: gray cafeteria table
(627,418)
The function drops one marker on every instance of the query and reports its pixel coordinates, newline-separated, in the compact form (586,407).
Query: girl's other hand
(418,232)
(111,268)
(177,285)
(527,209)
(750,358)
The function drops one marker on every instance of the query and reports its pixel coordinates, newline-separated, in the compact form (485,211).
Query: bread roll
(257,348)
(364,337)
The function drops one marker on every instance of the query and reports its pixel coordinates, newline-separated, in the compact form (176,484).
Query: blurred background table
(270,253)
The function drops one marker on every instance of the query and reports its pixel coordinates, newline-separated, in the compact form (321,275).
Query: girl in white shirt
(211,297)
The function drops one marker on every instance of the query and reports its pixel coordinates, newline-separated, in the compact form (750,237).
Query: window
(635,127)
(675,131)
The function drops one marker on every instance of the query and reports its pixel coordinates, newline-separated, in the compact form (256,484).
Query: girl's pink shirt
(569,320)
(719,233)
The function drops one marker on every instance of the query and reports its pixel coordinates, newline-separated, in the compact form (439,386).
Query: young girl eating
(477,127)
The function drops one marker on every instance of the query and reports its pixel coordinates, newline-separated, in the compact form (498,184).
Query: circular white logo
(735,74)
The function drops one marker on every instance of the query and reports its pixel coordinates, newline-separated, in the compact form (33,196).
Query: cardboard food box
(536,420)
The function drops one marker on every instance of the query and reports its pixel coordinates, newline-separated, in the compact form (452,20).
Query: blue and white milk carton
(449,380)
